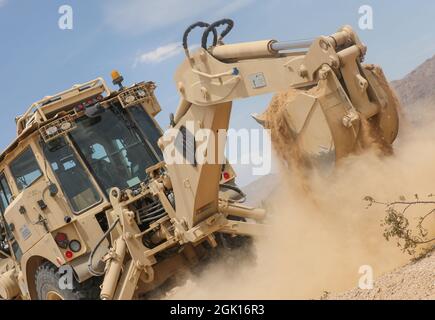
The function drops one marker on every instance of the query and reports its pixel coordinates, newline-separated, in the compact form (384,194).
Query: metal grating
(57,128)
(135,95)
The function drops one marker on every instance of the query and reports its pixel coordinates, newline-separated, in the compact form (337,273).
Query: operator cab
(116,146)
(102,143)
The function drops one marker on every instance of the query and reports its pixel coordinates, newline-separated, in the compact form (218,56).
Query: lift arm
(333,94)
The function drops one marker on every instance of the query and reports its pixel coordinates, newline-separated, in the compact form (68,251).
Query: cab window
(25,169)
(5,193)
(5,200)
(148,128)
(72,176)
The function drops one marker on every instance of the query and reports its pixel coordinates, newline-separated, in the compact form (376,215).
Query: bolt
(303,72)
(334,61)
(181,87)
(323,73)
(324,45)
(186,183)
(204,92)
(349,119)
(184,224)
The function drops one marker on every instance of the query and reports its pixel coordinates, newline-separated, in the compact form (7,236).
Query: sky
(141,38)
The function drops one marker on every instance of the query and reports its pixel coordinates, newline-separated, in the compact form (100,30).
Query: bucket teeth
(260,118)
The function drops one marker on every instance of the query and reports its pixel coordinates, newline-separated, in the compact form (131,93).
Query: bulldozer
(93,205)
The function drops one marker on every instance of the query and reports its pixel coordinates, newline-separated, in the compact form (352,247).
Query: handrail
(36,106)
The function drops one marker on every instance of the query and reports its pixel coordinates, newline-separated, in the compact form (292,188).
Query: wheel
(232,242)
(47,281)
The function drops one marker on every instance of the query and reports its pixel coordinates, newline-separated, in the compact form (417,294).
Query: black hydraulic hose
(199,24)
(236,189)
(91,256)
(212,28)
(154,218)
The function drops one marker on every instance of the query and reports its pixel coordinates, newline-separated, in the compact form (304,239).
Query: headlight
(66,126)
(61,240)
(141,93)
(75,245)
(51,131)
(129,99)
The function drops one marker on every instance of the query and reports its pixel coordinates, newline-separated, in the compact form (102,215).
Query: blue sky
(140,37)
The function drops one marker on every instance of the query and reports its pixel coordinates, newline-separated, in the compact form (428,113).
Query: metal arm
(332,93)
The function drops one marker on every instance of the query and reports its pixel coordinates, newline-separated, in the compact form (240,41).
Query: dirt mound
(287,143)
(414,281)
(284,140)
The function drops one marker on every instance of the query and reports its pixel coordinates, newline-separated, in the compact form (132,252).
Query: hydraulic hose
(236,189)
(91,256)
(213,27)
(198,24)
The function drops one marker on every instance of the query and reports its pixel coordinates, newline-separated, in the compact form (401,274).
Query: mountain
(261,189)
(416,91)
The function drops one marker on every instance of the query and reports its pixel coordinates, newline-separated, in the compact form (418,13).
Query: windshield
(113,148)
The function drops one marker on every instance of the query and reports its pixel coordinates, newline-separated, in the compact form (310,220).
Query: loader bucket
(319,126)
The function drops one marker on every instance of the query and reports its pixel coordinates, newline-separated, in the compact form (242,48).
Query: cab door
(6,236)
(34,211)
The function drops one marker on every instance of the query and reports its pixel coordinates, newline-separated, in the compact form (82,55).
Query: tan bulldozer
(97,203)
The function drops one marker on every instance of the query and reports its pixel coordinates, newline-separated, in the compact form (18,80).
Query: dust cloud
(320,236)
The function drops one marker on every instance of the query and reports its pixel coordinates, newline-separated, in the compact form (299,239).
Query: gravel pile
(415,281)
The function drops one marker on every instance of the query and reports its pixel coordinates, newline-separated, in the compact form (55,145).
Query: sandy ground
(415,281)
(320,231)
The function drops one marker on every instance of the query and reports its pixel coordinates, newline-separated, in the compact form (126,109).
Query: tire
(47,286)
(230,242)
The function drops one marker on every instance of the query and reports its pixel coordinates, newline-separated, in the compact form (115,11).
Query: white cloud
(3,3)
(232,7)
(160,54)
(139,16)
